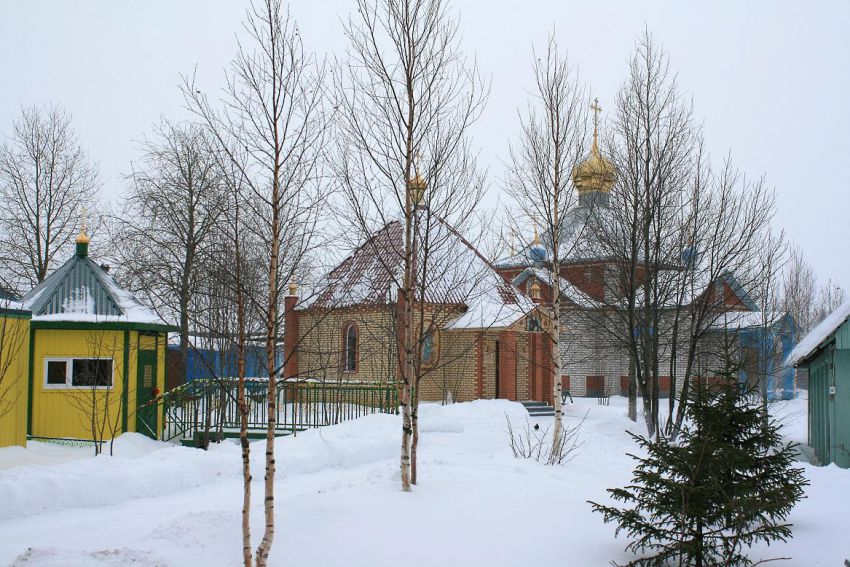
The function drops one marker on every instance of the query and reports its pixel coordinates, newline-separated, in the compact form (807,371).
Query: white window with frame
(78,373)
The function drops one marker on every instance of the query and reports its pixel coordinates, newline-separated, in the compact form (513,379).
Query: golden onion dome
(83,238)
(416,189)
(418,183)
(595,173)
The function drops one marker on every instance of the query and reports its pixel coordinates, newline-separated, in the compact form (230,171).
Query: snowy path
(340,503)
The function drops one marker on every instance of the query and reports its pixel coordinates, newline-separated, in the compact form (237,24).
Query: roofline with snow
(103,325)
(15,313)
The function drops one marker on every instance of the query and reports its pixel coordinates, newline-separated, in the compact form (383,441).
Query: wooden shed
(14,346)
(825,353)
(95,355)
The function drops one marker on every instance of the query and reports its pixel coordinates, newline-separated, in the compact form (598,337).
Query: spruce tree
(727,483)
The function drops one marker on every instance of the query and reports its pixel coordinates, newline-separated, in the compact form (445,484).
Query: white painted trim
(69,369)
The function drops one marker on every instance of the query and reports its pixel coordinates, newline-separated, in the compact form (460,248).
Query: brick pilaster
(507,365)
(291,334)
(479,367)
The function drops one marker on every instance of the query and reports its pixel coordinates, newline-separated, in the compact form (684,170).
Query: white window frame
(69,373)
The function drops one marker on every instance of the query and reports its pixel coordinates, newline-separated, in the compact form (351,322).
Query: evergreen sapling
(726,484)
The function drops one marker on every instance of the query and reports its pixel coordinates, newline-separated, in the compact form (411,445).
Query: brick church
(481,326)
(473,326)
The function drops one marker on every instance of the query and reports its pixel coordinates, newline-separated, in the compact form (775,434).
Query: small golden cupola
(416,186)
(416,190)
(83,239)
(595,174)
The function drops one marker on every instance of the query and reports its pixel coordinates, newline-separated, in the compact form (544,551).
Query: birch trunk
(407,379)
(414,440)
(243,411)
(632,390)
(243,442)
(557,385)
(271,346)
(409,369)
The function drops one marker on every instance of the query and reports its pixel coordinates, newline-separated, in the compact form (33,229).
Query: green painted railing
(208,408)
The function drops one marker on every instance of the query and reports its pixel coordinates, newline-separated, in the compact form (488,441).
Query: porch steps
(538,409)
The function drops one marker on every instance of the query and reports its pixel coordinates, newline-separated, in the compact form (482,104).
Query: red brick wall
(590,278)
(531,370)
(595,386)
(535,366)
(546,369)
(507,365)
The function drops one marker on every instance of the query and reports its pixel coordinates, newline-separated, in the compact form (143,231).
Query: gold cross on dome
(596,110)
(417,157)
(83,219)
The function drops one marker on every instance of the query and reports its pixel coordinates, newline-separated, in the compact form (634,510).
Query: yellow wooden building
(14,346)
(92,359)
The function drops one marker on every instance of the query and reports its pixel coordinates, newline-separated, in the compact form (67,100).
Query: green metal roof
(82,291)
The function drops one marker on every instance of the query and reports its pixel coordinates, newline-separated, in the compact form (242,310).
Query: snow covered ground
(339,501)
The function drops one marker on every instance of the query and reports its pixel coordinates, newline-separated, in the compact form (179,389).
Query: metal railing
(210,407)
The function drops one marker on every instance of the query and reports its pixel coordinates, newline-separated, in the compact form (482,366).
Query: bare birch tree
(90,387)
(540,180)
(830,296)
(230,289)
(45,178)
(799,291)
(679,236)
(273,113)
(406,99)
(723,234)
(164,229)
(653,140)
(769,267)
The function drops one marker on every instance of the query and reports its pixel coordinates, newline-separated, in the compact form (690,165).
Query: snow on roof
(11,305)
(822,331)
(82,291)
(528,255)
(369,275)
(578,242)
(568,289)
(456,274)
(740,320)
(492,303)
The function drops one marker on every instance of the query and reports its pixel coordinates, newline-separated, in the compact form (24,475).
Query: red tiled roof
(458,275)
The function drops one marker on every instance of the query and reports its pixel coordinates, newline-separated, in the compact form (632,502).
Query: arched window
(350,342)
(430,347)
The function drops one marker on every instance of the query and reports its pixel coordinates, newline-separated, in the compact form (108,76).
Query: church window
(430,347)
(350,341)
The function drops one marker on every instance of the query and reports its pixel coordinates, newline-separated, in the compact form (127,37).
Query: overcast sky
(770,80)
